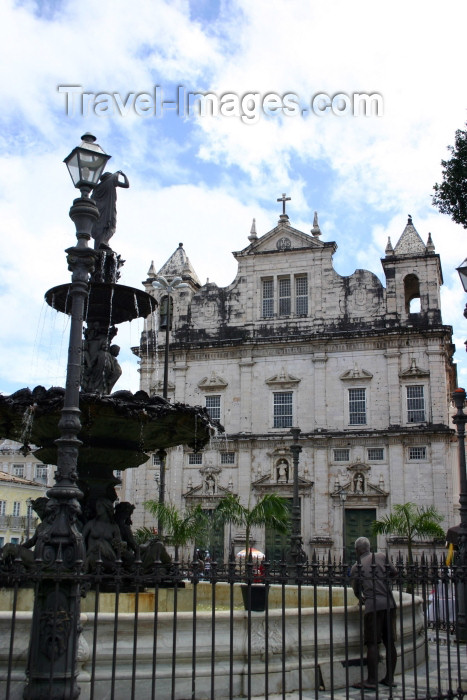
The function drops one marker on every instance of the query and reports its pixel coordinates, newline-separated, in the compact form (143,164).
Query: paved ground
(444,676)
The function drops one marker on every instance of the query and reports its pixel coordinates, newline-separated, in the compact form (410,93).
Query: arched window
(412,294)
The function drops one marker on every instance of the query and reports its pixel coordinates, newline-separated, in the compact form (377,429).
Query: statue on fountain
(105,196)
(23,552)
(103,539)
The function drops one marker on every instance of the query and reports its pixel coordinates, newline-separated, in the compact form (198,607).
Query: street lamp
(343,497)
(60,542)
(458,535)
(169,288)
(86,163)
(296,538)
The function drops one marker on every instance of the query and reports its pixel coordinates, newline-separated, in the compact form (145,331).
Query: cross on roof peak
(284,199)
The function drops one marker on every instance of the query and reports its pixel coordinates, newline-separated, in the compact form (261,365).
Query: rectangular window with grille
(283,409)
(284,297)
(213,404)
(16,508)
(156,461)
(2,507)
(417,453)
(375,454)
(415,404)
(195,458)
(301,295)
(268,298)
(357,406)
(227,457)
(341,454)
(18,470)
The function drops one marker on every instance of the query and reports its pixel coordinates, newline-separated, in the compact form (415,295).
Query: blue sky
(201,179)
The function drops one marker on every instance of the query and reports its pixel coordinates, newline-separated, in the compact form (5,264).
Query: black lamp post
(169,288)
(343,497)
(55,626)
(459,534)
(296,538)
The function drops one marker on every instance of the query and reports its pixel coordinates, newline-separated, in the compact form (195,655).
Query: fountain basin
(324,654)
(135,422)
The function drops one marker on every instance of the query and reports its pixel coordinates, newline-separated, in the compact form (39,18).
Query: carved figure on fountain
(103,539)
(105,197)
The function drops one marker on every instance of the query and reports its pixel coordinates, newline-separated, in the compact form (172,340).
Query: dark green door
(215,547)
(277,545)
(358,524)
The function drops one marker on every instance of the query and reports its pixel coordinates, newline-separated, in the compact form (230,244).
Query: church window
(283,409)
(227,457)
(18,470)
(284,297)
(341,454)
(357,406)
(375,454)
(301,295)
(417,453)
(415,404)
(213,405)
(195,458)
(268,298)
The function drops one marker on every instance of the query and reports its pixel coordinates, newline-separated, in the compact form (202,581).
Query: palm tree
(179,530)
(410,521)
(270,511)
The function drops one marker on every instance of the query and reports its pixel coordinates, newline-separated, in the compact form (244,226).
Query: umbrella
(255,553)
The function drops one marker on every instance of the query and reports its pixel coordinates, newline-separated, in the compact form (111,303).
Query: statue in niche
(282,471)
(210,485)
(105,197)
(358,483)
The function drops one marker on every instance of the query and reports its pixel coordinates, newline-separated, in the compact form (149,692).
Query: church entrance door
(358,524)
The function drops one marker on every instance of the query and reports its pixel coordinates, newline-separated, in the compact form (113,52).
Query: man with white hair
(370,579)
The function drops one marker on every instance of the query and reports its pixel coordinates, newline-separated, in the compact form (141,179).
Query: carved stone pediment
(359,490)
(282,237)
(213,383)
(414,371)
(284,380)
(266,484)
(357,373)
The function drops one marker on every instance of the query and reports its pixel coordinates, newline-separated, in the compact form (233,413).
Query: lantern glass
(86,163)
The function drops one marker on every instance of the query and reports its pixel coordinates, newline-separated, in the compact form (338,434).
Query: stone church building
(364,370)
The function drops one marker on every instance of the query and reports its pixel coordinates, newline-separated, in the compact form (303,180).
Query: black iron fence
(239,629)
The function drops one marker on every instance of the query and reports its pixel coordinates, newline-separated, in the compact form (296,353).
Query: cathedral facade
(363,369)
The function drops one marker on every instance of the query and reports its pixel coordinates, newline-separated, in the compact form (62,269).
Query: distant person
(370,582)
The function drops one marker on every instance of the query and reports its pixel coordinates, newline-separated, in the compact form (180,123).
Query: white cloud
(201,182)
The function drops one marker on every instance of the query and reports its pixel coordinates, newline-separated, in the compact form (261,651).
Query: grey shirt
(370,582)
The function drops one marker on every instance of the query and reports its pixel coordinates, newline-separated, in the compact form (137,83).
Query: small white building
(364,370)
